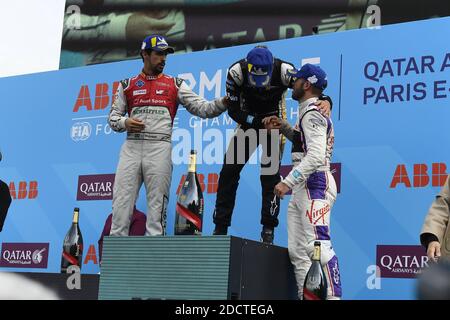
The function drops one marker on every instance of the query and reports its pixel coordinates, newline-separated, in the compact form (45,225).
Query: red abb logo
(25,191)
(101,99)
(421,176)
(212,183)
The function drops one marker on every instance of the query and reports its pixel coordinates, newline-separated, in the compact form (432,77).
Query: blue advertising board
(390,87)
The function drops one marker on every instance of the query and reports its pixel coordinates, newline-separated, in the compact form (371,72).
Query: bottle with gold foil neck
(190,204)
(315,285)
(72,253)
(193,162)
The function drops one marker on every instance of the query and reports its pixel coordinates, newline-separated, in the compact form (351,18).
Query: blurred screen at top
(98,31)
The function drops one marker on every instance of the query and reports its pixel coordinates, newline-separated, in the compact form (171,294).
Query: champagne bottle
(315,286)
(189,208)
(73,245)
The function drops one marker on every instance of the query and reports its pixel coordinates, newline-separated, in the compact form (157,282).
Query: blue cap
(313,73)
(157,43)
(260,66)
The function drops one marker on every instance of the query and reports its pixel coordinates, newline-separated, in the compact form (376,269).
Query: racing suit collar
(147,77)
(307,102)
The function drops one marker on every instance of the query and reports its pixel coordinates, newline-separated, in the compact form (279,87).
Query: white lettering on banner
(103,128)
(95,188)
(294,113)
(403,262)
(176,121)
(224,120)
(259,36)
(215,82)
(234,36)
(16,255)
(189,78)
(389,262)
(296,30)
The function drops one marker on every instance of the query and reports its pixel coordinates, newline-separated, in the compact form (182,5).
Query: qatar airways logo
(401,261)
(95,187)
(24,255)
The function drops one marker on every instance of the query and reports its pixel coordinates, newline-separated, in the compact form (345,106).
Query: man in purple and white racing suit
(313,186)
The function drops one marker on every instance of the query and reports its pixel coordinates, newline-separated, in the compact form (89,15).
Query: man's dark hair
(146,50)
(316,91)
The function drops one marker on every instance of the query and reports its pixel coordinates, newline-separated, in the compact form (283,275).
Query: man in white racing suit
(151,100)
(313,186)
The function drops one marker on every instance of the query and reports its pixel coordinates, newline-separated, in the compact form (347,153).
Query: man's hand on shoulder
(324,107)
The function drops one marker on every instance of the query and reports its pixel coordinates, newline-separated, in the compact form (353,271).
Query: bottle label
(72,260)
(190,216)
(308,295)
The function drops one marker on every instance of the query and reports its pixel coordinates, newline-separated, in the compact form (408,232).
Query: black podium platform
(193,267)
(58,283)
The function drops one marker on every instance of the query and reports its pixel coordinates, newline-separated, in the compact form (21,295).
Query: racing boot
(267,235)
(220,230)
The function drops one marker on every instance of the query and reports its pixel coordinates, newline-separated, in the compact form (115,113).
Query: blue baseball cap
(260,66)
(313,73)
(157,43)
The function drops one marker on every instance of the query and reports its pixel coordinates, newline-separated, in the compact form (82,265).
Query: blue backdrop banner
(390,88)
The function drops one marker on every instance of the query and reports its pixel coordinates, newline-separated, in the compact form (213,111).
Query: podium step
(194,267)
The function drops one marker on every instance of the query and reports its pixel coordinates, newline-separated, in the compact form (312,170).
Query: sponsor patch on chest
(161,92)
(140,83)
(139,92)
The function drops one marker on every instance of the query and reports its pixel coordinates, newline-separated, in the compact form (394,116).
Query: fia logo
(80,131)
